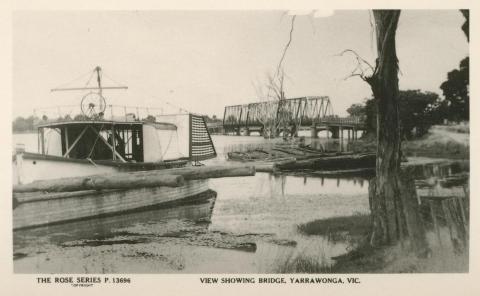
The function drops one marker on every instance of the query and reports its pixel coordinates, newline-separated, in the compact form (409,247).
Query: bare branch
(286,46)
(354,75)
(358,57)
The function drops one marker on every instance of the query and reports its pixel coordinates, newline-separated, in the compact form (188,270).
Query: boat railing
(111,113)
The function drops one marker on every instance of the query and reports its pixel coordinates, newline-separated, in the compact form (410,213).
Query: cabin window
(103,142)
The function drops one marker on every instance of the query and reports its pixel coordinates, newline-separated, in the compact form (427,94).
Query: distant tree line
(212,119)
(418,112)
(22,124)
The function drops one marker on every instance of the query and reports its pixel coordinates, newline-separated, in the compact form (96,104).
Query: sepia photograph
(240,142)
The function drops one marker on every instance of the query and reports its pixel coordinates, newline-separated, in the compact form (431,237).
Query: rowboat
(93,146)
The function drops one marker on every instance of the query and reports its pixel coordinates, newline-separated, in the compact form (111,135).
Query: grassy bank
(362,258)
(351,230)
(449,141)
(338,228)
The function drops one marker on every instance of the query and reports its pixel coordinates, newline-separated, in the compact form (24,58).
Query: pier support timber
(313,132)
(335,132)
(341,139)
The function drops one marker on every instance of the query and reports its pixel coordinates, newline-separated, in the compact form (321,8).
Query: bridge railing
(352,120)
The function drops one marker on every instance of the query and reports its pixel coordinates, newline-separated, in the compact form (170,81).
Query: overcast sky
(204,60)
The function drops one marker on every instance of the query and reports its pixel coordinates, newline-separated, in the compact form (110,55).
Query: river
(251,227)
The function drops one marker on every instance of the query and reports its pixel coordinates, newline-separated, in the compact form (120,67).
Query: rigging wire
(111,79)
(90,78)
(78,78)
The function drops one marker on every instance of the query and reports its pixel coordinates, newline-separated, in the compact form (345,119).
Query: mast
(98,69)
(100,88)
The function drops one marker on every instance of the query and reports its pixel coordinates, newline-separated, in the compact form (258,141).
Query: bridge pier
(313,132)
(335,132)
(341,139)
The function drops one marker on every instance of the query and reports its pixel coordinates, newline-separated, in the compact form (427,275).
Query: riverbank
(452,142)
(362,258)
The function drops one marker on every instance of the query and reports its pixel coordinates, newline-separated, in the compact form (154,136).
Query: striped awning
(201,145)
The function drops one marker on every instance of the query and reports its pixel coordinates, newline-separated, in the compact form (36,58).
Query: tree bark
(392,195)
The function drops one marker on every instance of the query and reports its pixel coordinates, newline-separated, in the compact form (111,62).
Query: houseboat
(94,145)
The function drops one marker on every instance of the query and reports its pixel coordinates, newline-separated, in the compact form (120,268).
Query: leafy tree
(80,117)
(456,92)
(357,110)
(21,124)
(417,110)
(150,118)
(456,87)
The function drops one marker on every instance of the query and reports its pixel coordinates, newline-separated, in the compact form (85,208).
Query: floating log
(167,177)
(342,162)
(265,167)
(204,172)
(99,182)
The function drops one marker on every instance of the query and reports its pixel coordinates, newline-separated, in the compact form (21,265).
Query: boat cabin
(167,137)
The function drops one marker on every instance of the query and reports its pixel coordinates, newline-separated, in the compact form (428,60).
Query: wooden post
(341,138)
(114,156)
(38,141)
(313,132)
(224,118)
(19,165)
(435,223)
(66,139)
(75,142)
(106,143)
(42,137)
(462,213)
(448,218)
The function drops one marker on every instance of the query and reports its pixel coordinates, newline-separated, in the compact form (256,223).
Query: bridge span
(314,113)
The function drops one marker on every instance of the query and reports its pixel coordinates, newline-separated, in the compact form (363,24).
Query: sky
(202,61)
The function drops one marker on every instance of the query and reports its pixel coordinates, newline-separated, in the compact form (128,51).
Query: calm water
(251,227)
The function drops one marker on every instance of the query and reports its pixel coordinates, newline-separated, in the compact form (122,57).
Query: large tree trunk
(392,194)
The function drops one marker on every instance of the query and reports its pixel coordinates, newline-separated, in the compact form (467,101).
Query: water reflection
(108,229)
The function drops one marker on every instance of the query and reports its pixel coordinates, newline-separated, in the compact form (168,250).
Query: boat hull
(28,167)
(38,209)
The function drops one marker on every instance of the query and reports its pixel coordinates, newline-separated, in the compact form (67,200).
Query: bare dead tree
(275,118)
(393,203)
(272,93)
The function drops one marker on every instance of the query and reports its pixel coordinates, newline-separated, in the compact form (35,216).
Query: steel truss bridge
(314,113)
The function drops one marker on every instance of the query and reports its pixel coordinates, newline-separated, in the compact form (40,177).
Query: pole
(114,156)
(98,69)
(341,138)
(42,135)
(66,139)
